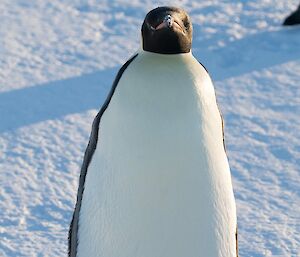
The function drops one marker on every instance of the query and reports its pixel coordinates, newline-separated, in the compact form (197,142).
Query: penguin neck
(166,65)
(166,56)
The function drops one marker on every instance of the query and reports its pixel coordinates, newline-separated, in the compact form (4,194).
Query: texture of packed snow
(57,62)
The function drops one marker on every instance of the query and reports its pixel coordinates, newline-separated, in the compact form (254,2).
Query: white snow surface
(57,62)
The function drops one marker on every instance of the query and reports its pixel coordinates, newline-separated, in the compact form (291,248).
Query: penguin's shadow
(56,99)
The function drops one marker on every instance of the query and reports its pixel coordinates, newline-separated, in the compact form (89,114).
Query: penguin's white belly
(159,183)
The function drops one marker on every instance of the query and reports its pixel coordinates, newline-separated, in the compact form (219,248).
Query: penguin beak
(168,22)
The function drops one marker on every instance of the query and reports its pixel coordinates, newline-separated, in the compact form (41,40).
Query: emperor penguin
(155,179)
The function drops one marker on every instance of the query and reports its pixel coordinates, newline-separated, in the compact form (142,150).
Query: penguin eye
(186,24)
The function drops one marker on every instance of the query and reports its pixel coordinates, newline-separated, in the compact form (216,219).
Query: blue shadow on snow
(53,100)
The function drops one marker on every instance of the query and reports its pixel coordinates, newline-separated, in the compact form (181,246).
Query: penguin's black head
(167,30)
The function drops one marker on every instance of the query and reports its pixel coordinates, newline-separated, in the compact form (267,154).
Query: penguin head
(167,30)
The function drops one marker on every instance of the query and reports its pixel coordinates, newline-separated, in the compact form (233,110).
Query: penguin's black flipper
(236,242)
(293,18)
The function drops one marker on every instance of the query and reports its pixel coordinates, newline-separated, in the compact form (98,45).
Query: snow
(57,63)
